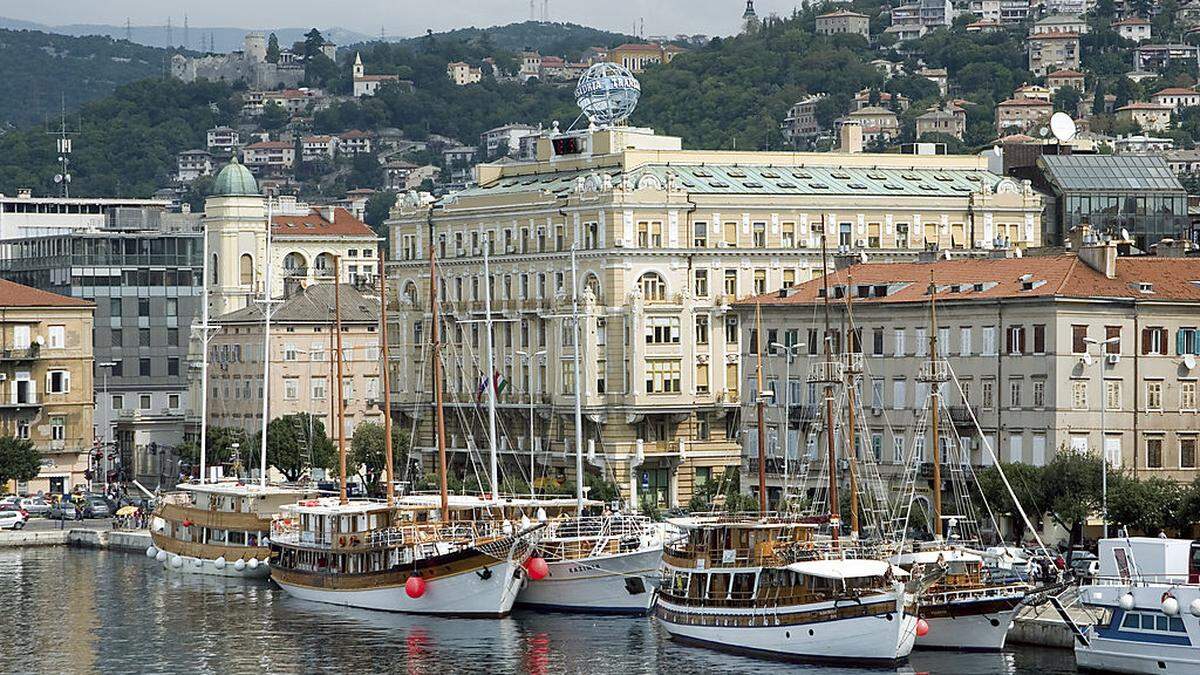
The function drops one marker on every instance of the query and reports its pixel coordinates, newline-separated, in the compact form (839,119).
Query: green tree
(273,49)
(1144,506)
(296,443)
(220,446)
(368,454)
(1067,100)
(313,42)
(379,206)
(1026,481)
(1071,484)
(365,171)
(273,117)
(1098,95)
(20,460)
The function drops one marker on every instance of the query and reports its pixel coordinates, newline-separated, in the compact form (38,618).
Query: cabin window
(697,586)
(718,586)
(743,586)
(237,538)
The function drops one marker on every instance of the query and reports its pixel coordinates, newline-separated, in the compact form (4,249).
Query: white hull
(1120,656)
(974,632)
(465,594)
(619,584)
(859,639)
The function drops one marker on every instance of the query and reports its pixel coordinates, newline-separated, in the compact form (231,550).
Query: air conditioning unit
(1112,359)
(877,411)
(861,243)
(3,377)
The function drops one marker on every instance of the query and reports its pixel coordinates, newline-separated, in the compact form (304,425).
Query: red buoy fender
(537,568)
(414,587)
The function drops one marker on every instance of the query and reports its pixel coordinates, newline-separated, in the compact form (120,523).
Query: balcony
(961,415)
(27,354)
(28,403)
(827,372)
(934,371)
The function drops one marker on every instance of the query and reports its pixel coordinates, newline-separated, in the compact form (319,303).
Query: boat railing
(1143,580)
(940,596)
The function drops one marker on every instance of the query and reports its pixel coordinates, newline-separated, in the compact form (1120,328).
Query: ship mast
(830,444)
(578,384)
(266,396)
(760,410)
(341,401)
(935,387)
(436,344)
(387,385)
(851,395)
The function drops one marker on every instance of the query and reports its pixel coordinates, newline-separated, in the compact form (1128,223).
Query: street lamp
(107,367)
(529,381)
(1102,345)
(789,354)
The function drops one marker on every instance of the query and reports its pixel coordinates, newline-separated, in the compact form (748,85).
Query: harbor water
(72,610)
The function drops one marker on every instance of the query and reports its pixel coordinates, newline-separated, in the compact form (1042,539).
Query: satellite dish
(1086,359)
(1124,234)
(1043,132)
(1062,126)
(1189,361)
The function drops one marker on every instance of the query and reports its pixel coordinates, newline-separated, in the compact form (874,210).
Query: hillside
(559,39)
(41,69)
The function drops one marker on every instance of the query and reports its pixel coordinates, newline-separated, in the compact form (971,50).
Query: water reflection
(70,610)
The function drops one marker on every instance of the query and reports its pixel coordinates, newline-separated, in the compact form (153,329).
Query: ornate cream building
(666,240)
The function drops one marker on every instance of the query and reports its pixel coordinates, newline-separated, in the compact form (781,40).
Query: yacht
(601,564)
(220,529)
(769,587)
(1148,597)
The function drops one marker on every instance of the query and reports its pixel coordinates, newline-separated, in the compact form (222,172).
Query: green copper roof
(235,180)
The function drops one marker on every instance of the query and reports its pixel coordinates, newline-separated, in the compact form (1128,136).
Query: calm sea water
(76,611)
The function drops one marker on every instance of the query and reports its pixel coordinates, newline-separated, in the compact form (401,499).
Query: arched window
(247,270)
(294,265)
(653,286)
(213,277)
(324,265)
(410,293)
(592,283)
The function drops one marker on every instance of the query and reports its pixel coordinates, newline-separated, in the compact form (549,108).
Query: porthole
(995,622)
(810,632)
(889,616)
(787,634)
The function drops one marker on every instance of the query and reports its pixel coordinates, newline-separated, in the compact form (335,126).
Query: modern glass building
(1137,193)
(144,273)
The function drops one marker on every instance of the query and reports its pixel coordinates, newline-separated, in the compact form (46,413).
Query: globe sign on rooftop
(607,93)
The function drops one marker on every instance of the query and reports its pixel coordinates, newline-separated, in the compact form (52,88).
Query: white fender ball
(1126,601)
(239,565)
(151,551)
(1170,606)
(219,563)
(1194,608)
(176,562)
(252,563)
(161,556)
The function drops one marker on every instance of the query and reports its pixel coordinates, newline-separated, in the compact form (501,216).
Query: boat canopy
(844,568)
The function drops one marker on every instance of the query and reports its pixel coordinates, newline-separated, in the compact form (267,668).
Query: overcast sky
(398,17)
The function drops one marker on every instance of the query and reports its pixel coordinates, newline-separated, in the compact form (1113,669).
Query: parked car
(96,507)
(13,519)
(1084,564)
(36,506)
(65,510)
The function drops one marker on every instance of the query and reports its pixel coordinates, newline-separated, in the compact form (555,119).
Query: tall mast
(830,441)
(759,406)
(341,401)
(204,362)
(435,338)
(266,395)
(578,384)
(935,385)
(387,384)
(331,390)
(494,472)
(851,395)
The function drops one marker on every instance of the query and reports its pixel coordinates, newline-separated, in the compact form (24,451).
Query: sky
(399,17)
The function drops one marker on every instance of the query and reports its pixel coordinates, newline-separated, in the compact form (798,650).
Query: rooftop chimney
(1172,248)
(1099,254)
(850,137)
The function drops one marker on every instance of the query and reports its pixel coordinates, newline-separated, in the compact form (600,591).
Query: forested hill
(557,39)
(44,70)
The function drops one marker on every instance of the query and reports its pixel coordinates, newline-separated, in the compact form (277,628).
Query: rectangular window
(1079,339)
(1039,393)
(701,329)
(1154,340)
(700,286)
(144,307)
(897,449)
(760,235)
(964,341)
(877,342)
(921,348)
(987,390)
(661,330)
(291,388)
(143,337)
(788,235)
(144,367)
(898,394)
(1154,458)
(173,366)
(731,331)
(877,393)
(1014,344)
(731,283)
(702,378)
(173,401)
(118,402)
(58,382)
(118,337)
(1112,333)
(144,401)
(789,278)
(57,335)
(989,340)
(662,376)
(730,234)
(1039,338)
(1112,394)
(1014,393)
(1154,398)
(700,235)
(1187,396)
(1187,452)
(898,342)
(114,307)
(58,428)
(21,337)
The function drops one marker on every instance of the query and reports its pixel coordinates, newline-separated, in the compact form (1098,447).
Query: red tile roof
(314,224)
(1065,73)
(1176,91)
(1142,105)
(1034,102)
(13,294)
(1064,276)
(269,145)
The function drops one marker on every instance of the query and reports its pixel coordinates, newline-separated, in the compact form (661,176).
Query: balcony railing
(27,402)
(934,371)
(828,372)
(25,354)
(961,414)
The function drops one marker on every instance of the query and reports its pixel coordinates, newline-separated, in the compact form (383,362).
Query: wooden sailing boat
(456,559)
(774,586)
(221,528)
(967,609)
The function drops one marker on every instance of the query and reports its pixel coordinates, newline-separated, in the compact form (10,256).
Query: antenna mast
(387,385)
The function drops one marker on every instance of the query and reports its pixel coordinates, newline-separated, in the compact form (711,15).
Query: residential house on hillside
(636,57)
(801,120)
(1133,28)
(1053,50)
(318,147)
(1033,91)
(463,74)
(843,21)
(269,156)
(1141,144)
(222,142)
(898,102)
(938,76)
(1060,79)
(505,140)
(1149,116)
(878,124)
(1059,23)
(1020,114)
(906,23)
(192,164)
(1176,97)
(950,120)
(354,142)
(1155,57)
